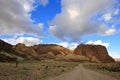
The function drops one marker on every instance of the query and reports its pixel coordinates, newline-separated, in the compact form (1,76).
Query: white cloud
(16,19)
(110,31)
(28,41)
(104,30)
(44,2)
(107,16)
(98,42)
(73,13)
(27,4)
(74,21)
(71,46)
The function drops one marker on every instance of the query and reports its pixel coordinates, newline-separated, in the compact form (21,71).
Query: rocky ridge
(94,53)
(42,51)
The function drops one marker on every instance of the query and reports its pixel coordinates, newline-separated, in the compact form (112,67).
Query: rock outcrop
(55,49)
(7,53)
(42,51)
(96,53)
(27,51)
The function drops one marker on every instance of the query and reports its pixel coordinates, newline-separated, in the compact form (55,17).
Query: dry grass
(112,69)
(34,70)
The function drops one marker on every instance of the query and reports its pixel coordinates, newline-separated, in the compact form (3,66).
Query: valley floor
(34,70)
(49,69)
(82,73)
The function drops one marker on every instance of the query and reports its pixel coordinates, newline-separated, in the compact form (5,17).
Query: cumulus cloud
(107,16)
(44,2)
(104,30)
(71,46)
(98,42)
(28,41)
(15,17)
(74,21)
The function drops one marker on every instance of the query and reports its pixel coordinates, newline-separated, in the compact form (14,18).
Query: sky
(63,22)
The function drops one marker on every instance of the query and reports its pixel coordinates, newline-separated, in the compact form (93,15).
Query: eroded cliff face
(27,51)
(55,49)
(42,51)
(95,53)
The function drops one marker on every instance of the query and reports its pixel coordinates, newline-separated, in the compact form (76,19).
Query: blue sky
(64,22)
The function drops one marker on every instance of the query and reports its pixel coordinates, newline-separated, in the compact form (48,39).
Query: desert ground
(83,73)
(34,70)
(55,70)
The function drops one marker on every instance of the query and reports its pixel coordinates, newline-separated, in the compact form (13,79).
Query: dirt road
(81,73)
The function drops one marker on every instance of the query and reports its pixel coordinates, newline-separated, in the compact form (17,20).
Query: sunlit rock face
(42,51)
(95,53)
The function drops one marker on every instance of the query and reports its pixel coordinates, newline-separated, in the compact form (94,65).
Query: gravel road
(81,73)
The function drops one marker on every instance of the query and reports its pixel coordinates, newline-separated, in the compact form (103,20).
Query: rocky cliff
(95,53)
(42,51)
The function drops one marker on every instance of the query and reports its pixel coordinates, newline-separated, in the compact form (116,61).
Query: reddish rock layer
(95,53)
(41,51)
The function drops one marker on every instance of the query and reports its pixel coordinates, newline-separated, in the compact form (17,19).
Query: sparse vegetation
(112,69)
(34,70)
(51,61)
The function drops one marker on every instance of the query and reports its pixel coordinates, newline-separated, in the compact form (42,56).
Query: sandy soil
(81,73)
(34,70)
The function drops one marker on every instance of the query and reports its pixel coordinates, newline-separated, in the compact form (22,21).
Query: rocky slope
(42,51)
(7,53)
(48,51)
(95,53)
(28,52)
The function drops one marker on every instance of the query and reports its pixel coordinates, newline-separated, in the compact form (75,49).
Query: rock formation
(7,53)
(42,51)
(95,53)
(27,51)
(55,49)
